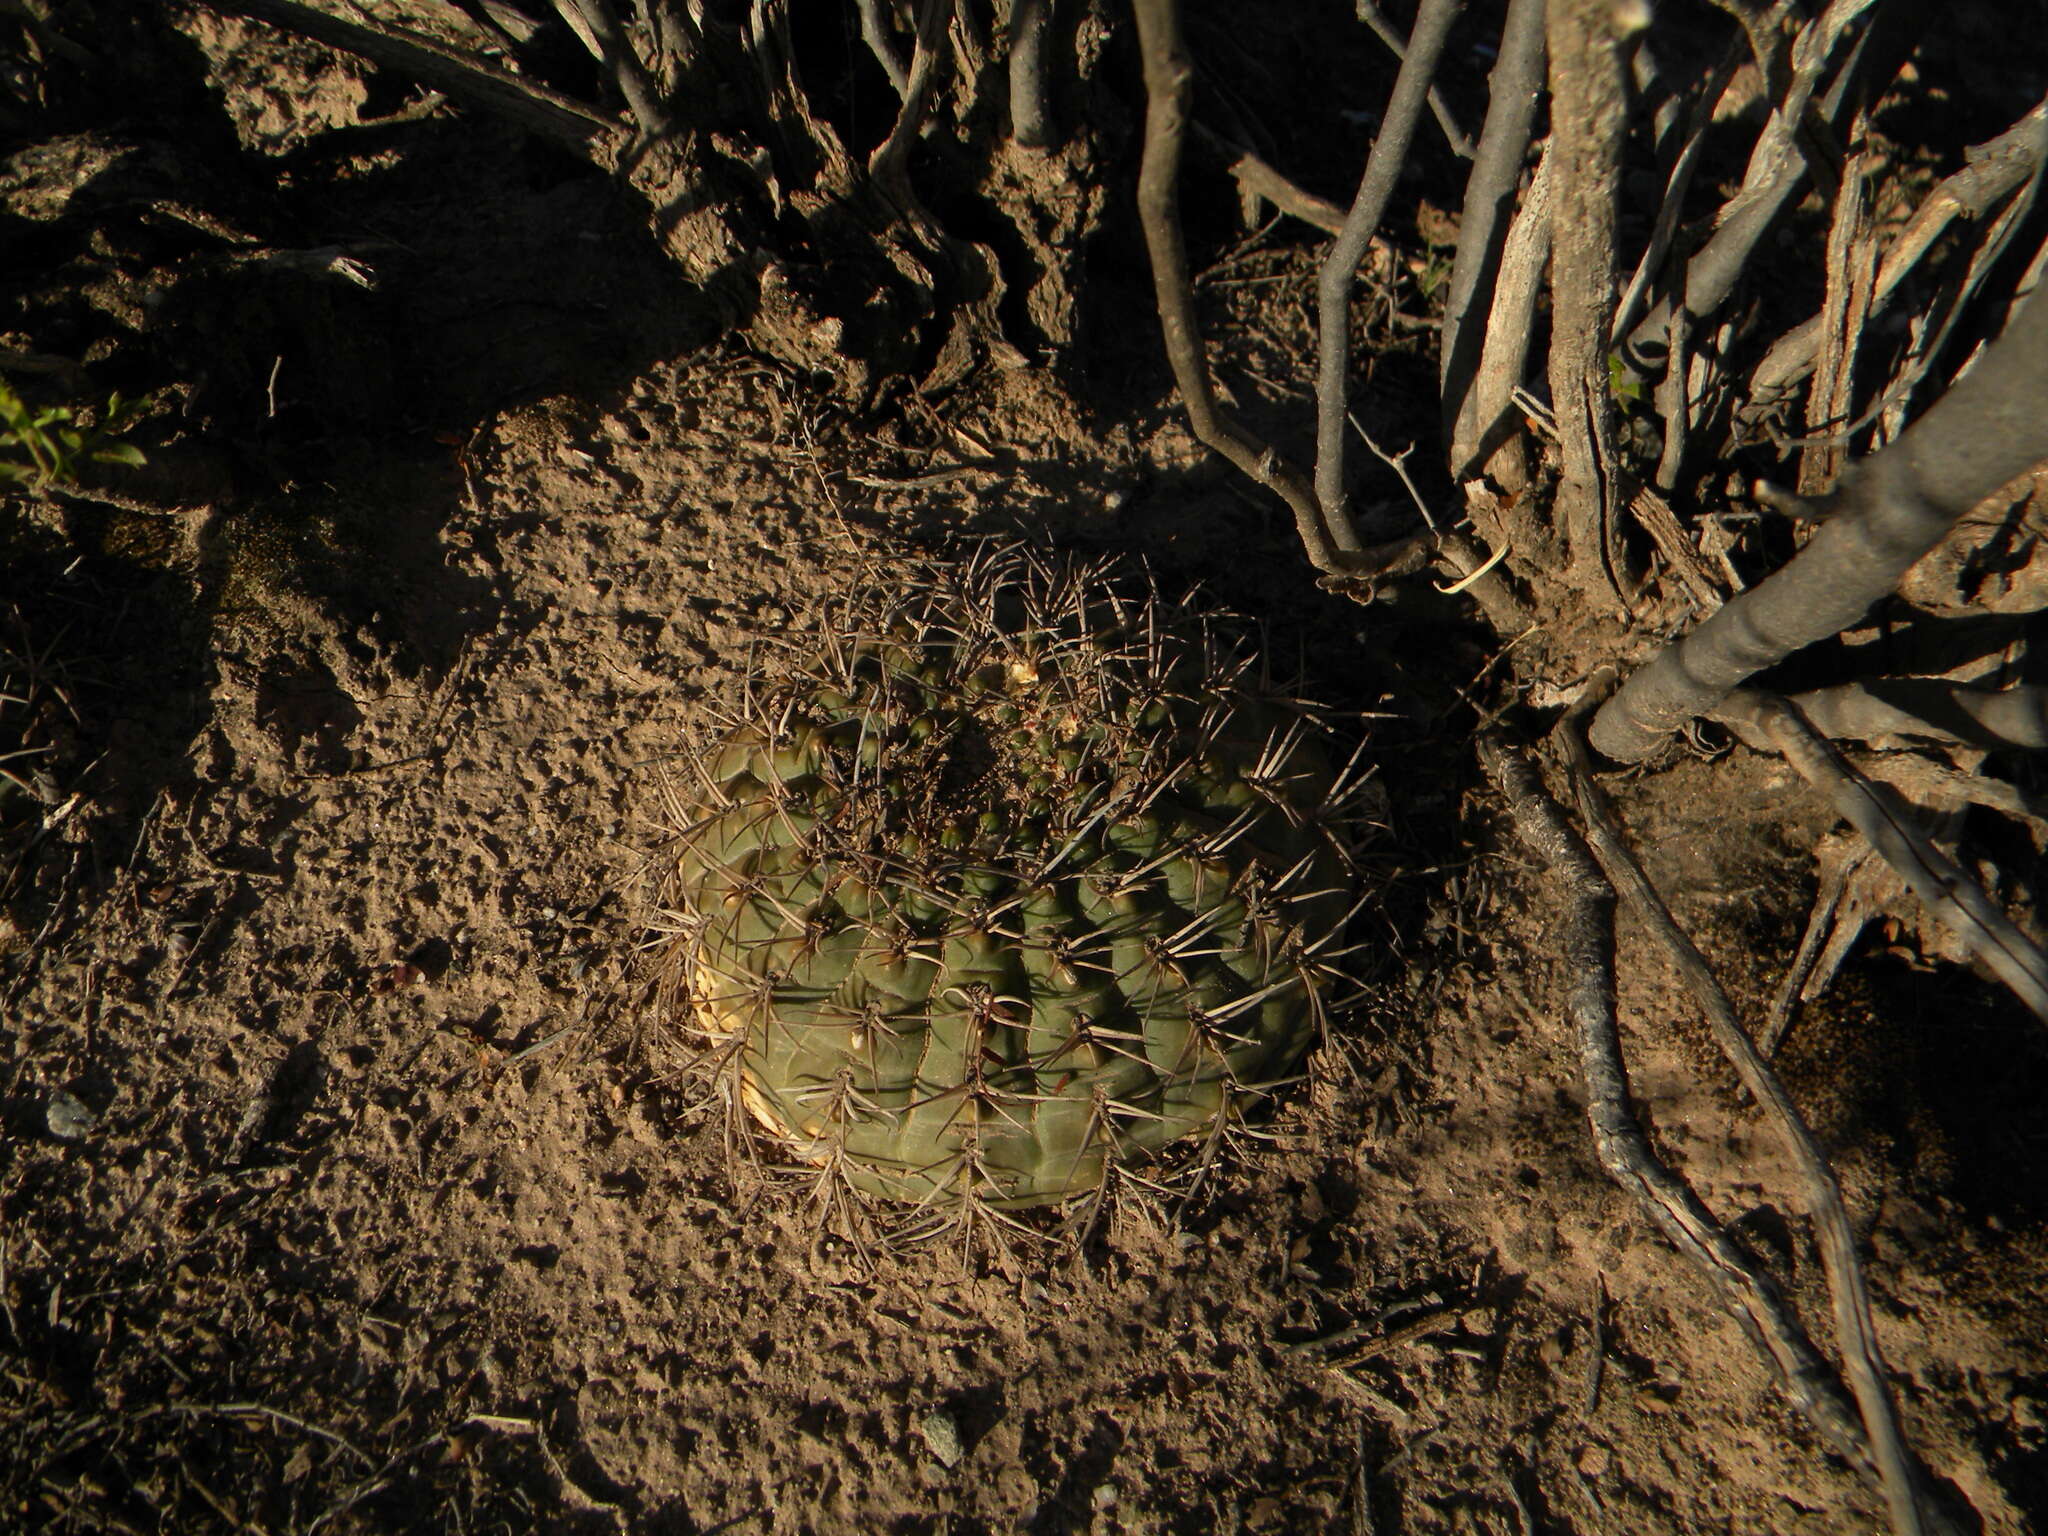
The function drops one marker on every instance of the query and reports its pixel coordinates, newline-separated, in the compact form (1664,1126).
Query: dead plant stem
(1855,1332)
(1586,952)
(1169,75)
(1340,266)
(1947,890)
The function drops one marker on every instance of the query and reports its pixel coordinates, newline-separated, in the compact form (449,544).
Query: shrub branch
(1890,510)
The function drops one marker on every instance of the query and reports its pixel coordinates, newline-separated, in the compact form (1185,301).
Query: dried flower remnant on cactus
(1021,873)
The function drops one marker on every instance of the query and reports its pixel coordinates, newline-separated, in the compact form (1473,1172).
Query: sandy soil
(349,1185)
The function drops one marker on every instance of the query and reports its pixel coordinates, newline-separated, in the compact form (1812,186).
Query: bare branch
(874,31)
(1933,332)
(1778,164)
(1676,185)
(1261,179)
(1512,92)
(1333,284)
(1487,440)
(1168,76)
(1823,946)
(889,164)
(1855,1332)
(1585,946)
(1995,170)
(1889,512)
(1673,400)
(1398,463)
(1456,137)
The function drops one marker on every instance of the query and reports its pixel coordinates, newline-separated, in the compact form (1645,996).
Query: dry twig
(1855,1333)
(1168,77)
(1487,439)
(1333,282)
(1259,178)
(1778,163)
(1995,170)
(1483,222)
(1456,137)
(1586,950)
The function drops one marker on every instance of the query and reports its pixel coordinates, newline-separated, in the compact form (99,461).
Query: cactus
(1022,873)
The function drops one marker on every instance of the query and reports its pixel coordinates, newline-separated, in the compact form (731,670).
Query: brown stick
(1263,180)
(1585,948)
(1168,76)
(1512,91)
(1487,441)
(1340,265)
(1996,169)
(1459,140)
(1855,1332)
(1944,887)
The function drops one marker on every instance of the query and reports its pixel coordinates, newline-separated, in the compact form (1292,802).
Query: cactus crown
(1019,874)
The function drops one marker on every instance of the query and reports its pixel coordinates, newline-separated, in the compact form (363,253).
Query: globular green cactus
(1020,873)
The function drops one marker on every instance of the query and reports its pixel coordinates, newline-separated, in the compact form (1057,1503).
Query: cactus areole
(1019,874)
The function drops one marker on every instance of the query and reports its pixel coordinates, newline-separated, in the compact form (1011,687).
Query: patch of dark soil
(1932,1070)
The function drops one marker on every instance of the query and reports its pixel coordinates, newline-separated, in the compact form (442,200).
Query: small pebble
(942,1437)
(67,1117)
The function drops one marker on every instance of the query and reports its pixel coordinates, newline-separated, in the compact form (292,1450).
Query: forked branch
(1943,886)
(1855,1332)
(1333,283)
(1169,76)
(1586,952)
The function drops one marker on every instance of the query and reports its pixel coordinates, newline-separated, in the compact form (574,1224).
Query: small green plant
(1435,273)
(1623,383)
(56,445)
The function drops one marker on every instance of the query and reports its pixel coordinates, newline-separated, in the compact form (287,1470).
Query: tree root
(1865,1434)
